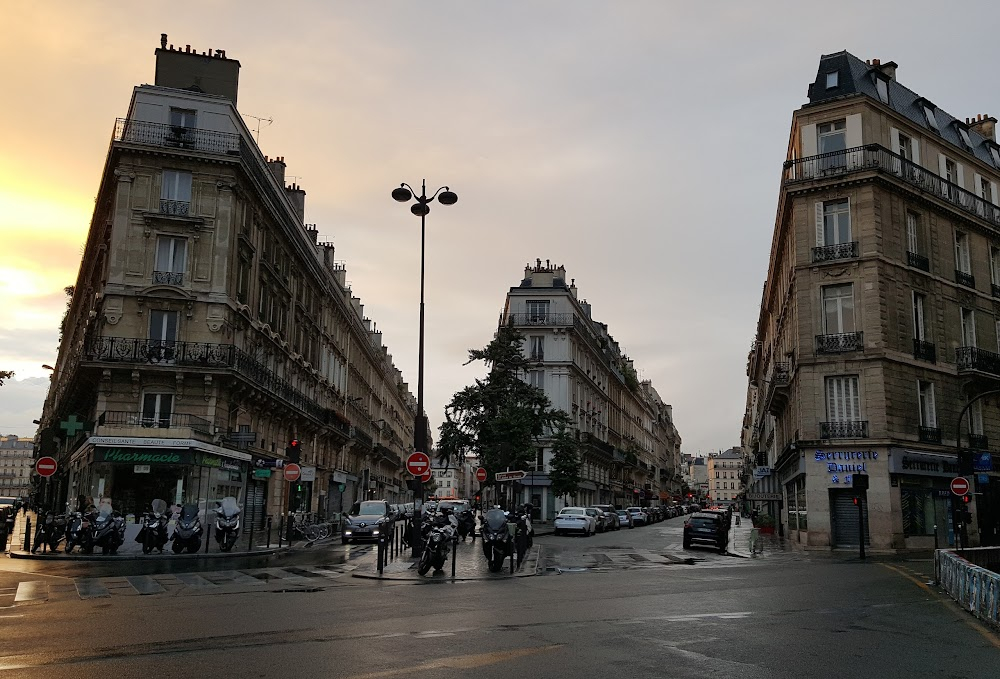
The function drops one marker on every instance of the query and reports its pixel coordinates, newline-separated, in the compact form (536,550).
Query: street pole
(958,451)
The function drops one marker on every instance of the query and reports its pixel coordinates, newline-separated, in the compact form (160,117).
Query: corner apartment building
(725,476)
(208,328)
(879,327)
(16,464)
(629,445)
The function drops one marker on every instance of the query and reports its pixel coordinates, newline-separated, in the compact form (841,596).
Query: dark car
(727,517)
(367,521)
(706,528)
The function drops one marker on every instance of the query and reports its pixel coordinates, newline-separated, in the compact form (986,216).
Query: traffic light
(478,497)
(966,514)
(294,450)
(857,500)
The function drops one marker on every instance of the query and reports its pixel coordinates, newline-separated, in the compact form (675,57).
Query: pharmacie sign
(841,466)
(142,456)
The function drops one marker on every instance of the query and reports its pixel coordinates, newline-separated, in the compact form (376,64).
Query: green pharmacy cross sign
(72,426)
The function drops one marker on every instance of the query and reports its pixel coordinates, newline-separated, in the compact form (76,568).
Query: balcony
(979,442)
(175,208)
(924,351)
(829,253)
(877,158)
(918,261)
(776,392)
(929,434)
(121,419)
(168,278)
(974,359)
(996,290)
(839,343)
(966,279)
(851,429)
(540,319)
(144,133)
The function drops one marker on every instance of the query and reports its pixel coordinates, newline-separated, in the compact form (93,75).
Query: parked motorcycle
(227,523)
(49,531)
(497,539)
(523,533)
(79,531)
(467,524)
(439,531)
(154,534)
(187,530)
(108,529)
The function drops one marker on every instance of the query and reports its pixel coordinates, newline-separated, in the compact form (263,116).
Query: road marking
(464,662)
(34,590)
(682,618)
(144,584)
(89,588)
(909,577)
(194,580)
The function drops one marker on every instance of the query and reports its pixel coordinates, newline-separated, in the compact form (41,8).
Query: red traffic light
(856,500)
(966,499)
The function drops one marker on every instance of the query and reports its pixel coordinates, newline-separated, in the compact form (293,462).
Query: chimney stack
(888,68)
(277,168)
(985,125)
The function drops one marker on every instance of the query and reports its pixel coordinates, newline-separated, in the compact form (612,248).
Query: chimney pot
(187,49)
(876,62)
(163,41)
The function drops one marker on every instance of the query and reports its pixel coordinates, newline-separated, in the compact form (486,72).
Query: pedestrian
(737,518)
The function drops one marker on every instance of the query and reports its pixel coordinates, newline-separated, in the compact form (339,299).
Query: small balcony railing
(929,434)
(168,278)
(996,290)
(175,208)
(121,419)
(839,343)
(980,360)
(540,319)
(145,133)
(829,253)
(978,442)
(918,261)
(851,429)
(924,351)
(966,279)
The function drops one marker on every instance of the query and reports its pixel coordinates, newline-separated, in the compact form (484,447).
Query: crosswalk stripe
(194,580)
(35,590)
(144,584)
(89,588)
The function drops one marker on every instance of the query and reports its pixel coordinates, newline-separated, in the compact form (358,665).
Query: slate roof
(856,77)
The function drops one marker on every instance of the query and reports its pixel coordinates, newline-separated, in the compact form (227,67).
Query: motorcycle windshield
(495,519)
(159,506)
(189,513)
(229,508)
(104,513)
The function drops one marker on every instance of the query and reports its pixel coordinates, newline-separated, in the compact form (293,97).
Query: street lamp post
(404,194)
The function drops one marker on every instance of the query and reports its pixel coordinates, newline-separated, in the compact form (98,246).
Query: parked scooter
(467,524)
(187,530)
(497,539)
(154,534)
(108,529)
(440,530)
(79,531)
(227,523)
(524,533)
(49,531)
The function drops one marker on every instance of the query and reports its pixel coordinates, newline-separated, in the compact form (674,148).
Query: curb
(447,578)
(21,554)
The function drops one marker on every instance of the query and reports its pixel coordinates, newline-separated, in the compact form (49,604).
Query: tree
(564,471)
(501,417)
(5,375)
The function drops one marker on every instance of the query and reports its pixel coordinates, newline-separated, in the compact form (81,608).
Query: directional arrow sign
(509,476)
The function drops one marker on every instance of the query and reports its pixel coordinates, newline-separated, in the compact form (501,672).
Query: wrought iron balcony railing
(168,278)
(966,279)
(839,343)
(781,373)
(874,157)
(175,208)
(852,429)
(829,253)
(121,419)
(145,133)
(918,261)
(996,290)
(540,319)
(978,442)
(929,434)
(924,351)
(974,358)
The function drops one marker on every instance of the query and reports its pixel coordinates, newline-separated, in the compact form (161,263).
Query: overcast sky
(637,143)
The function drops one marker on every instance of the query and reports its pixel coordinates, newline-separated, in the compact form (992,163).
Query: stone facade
(879,320)
(15,466)
(208,328)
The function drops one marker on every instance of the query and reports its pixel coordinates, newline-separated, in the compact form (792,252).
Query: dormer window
(832,80)
(931,120)
(882,86)
(995,152)
(964,134)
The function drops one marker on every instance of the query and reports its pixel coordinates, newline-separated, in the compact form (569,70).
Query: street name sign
(46,466)
(960,485)
(509,476)
(418,463)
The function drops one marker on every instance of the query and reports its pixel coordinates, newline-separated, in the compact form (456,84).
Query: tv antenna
(259,121)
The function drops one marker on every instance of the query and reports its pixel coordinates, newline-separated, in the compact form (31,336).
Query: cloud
(21,402)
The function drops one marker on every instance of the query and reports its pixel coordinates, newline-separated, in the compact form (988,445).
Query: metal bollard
(27,534)
(289,526)
(269,532)
(250,540)
(281,532)
(454,553)
(381,554)
(208,534)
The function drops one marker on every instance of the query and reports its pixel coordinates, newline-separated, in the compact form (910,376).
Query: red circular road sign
(480,475)
(46,466)
(292,472)
(960,485)
(426,476)
(418,464)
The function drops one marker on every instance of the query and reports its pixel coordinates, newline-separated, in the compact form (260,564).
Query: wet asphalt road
(630,603)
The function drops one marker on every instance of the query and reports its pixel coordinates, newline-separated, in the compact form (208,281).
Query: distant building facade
(725,472)
(16,464)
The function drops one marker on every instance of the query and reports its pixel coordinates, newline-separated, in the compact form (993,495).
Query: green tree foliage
(564,471)
(5,375)
(501,417)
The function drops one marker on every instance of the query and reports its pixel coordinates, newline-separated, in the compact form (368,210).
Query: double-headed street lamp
(421,208)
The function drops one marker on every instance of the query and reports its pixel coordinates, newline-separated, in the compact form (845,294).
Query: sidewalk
(739,541)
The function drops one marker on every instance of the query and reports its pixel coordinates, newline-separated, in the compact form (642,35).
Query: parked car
(600,519)
(639,516)
(367,521)
(613,520)
(706,527)
(575,520)
(624,518)
(724,513)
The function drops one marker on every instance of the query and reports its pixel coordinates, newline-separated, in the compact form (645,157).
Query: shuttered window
(843,403)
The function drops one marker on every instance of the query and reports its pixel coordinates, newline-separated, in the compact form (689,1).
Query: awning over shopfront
(135,442)
(920,463)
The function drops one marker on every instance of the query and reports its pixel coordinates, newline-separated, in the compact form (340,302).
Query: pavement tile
(91,588)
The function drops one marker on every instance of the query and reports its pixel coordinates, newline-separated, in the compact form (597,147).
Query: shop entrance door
(257,502)
(844,519)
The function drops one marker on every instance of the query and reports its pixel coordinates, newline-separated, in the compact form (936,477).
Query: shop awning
(136,442)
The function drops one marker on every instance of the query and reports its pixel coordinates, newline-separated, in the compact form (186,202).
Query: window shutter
(853,131)
(808,140)
(977,181)
(915,150)
(961,174)
(942,162)
(894,136)
(820,239)
(931,408)
(993,193)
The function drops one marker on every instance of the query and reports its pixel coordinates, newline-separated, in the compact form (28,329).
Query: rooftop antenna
(259,121)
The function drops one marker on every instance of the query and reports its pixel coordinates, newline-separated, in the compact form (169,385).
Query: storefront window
(917,506)
(797,519)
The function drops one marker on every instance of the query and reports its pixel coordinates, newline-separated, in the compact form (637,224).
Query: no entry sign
(481,475)
(426,476)
(418,463)
(292,472)
(46,466)
(960,485)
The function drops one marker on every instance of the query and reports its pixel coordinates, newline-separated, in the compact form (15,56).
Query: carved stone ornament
(966,298)
(124,176)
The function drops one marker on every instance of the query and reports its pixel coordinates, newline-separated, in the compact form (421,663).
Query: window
(962,260)
(912,233)
(163,325)
(931,120)
(171,254)
(995,265)
(175,193)
(832,79)
(536,378)
(537,348)
(183,117)
(156,410)
(538,311)
(838,309)
(832,139)
(243,280)
(905,147)
(928,414)
(950,171)
(964,134)
(882,86)
(976,418)
(984,189)
(836,222)
(919,327)
(995,152)
(842,401)
(917,508)
(968,328)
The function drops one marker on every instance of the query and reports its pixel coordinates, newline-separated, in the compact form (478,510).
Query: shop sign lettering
(842,465)
(141,456)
